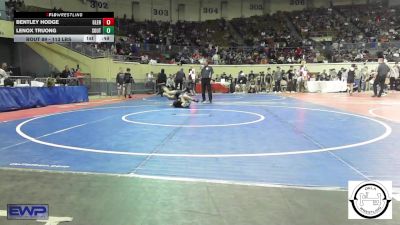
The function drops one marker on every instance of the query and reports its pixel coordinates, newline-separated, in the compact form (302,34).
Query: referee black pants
(278,85)
(180,83)
(381,82)
(206,84)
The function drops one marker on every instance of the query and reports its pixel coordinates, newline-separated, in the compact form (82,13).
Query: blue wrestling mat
(240,138)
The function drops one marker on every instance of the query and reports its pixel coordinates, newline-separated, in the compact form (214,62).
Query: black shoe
(196,100)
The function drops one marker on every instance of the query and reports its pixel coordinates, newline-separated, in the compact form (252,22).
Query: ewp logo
(27,212)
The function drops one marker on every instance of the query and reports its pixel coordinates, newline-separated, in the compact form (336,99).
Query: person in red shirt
(79,75)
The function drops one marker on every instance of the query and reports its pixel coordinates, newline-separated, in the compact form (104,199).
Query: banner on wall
(14,98)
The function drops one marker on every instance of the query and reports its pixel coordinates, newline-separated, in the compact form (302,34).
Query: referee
(206,75)
(383,70)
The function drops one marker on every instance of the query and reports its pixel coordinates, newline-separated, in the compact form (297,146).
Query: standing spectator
(206,75)
(216,58)
(268,80)
(261,81)
(294,80)
(65,74)
(191,80)
(357,80)
(383,70)
(128,80)
(345,74)
(387,80)
(303,77)
(394,74)
(290,76)
(277,79)
(350,79)
(180,76)
(339,74)
(364,77)
(120,82)
(78,75)
(161,80)
(370,79)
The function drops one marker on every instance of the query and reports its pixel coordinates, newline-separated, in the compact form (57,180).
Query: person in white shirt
(364,77)
(150,80)
(150,77)
(303,77)
(344,75)
(202,60)
(192,80)
(215,59)
(3,74)
(394,74)
(170,82)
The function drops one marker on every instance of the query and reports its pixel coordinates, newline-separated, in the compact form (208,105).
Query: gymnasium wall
(394,2)
(139,70)
(320,3)
(20,55)
(349,2)
(31,63)
(3,10)
(6,29)
(189,10)
(287,5)
(59,56)
(6,50)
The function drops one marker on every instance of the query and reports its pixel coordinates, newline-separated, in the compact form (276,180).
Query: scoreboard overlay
(64,27)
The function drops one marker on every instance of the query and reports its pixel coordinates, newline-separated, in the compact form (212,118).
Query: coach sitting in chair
(3,74)
(241,82)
